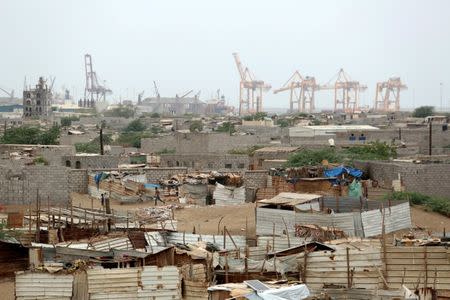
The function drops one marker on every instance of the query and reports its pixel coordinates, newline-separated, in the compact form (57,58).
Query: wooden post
(287,233)
(48,211)
(226,267)
(273,237)
(38,217)
(59,218)
(425,256)
(348,268)
(383,241)
(71,212)
(29,220)
(305,262)
(224,237)
(246,260)
(231,238)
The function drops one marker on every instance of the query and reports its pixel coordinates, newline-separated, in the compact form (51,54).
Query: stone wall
(207,161)
(429,179)
(156,174)
(90,161)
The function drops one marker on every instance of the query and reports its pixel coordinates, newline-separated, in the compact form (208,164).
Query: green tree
(423,111)
(283,123)
(256,117)
(94,145)
(131,139)
(67,121)
(135,126)
(31,135)
(226,127)
(196,126)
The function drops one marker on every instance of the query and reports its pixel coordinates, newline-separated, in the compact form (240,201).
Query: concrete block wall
(256,179)
(207,161)
(156,174)
(184,143)
(21,185)
(51,153)
(428,179)
(78,180)
(90,161)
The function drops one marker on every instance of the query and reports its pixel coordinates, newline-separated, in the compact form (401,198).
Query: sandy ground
(7,289)
(206,220)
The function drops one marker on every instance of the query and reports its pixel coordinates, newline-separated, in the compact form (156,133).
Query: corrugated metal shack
(278,216)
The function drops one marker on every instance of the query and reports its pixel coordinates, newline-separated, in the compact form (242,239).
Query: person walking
(157,197)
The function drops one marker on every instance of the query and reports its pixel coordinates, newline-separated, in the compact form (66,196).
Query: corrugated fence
(362,224)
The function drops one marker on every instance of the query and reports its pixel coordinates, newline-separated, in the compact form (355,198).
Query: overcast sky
(185,45)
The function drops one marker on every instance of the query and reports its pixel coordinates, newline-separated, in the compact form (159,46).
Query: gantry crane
(250,90)
(346,92)
(93,91)
(387,97)
(302,91)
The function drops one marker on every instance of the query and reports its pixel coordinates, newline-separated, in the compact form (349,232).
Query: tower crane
(387,97)
(346,92)
(250,90)
(302,91)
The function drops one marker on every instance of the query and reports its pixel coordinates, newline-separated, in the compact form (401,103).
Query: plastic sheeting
(335,172)
(354,189)
(300,291)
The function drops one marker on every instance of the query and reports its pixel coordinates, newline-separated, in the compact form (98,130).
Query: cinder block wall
(429,179)
(207,161)
(256,179)
(90,162)
(78,180)
(156,174)
(21,185)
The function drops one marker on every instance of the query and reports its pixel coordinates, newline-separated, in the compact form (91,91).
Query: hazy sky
(187,45)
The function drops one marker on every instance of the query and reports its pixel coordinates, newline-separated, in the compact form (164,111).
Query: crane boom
(241,70)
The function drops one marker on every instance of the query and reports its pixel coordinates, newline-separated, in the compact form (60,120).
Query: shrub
(196,126)
(135,125)
(437,204)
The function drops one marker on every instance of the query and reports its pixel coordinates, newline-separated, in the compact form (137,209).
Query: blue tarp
(151,185)
(336,172)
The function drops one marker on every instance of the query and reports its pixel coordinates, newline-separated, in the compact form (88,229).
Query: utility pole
(101,142)
(430,139)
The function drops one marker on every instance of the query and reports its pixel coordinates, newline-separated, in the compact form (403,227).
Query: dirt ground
(206,218)
(7,289)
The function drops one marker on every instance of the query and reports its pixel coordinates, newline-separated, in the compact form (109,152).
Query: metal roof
(291,199)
